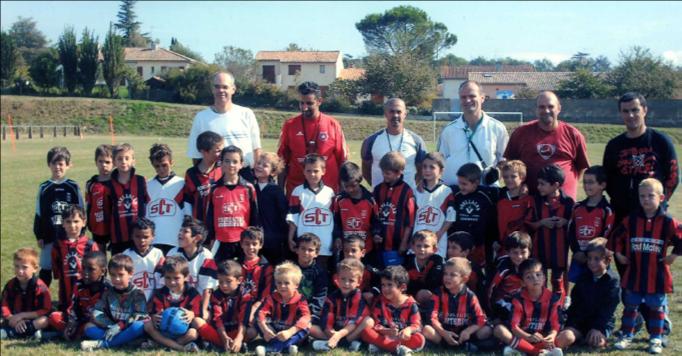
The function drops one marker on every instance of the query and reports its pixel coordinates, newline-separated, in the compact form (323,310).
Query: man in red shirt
(548,140)
(311,132)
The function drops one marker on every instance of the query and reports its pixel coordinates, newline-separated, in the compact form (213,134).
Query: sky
(522,30)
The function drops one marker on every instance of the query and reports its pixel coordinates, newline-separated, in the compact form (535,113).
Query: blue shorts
(652,300)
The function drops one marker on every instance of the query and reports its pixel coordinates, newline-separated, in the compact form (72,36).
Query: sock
(208,333)
(628,320)
(656,321)
(523,346)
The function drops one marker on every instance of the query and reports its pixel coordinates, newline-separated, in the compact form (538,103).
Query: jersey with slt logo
(162,207)
(429,216)
(317,217)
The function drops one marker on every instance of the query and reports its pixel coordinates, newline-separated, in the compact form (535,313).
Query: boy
(165,206)
(256,271)
(67,253)
(344,313)
(425,267)
(175,293)
(128,197)
(548,218)
(88,291)
(232,207)
(460,244)
(202,177)
(508,280)
(594,299)
(591,218)
(283,319)
(315,281)
(54,195)
(535,321)
(370,283)
(396,324)
(97,197)
(117,316)
(272,206)
(642,244)
(25,299)
(310,208)
(396,205)
(514,203)
(147,259)
(457,317)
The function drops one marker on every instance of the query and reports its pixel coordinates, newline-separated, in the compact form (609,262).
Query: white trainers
(3,334)
(355,346)
(260,350)
(321,345)
(403,350)
(37,336)
(373,349)
(655,346)
(293,350)
(623,343)
(567,302)
(552,352)
(91,345)
(191,347)
(510,351)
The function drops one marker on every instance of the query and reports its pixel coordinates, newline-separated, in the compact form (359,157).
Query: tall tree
(482,61)
(639,70)
(583,84)
(293,47)
(582,60)
(26,35)
(68,57)
(405,30)
(88,61)
(129,26)
(238,61)
(9,56)
(179,48)
(543,65)
(43,69)
(451,60)
(113,66)
(402,76)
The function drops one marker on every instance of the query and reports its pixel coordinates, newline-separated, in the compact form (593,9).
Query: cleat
(655,346)
(623,343)
(321,345)
(91,345)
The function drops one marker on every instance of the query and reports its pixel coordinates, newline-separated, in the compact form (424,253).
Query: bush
(370,108)
(336,104)
(259,94)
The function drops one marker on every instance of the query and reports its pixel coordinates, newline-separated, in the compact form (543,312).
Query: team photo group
(478,246)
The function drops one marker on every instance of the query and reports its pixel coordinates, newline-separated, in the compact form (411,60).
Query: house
(453,76)
(504,85)
(154,60)
(287,69)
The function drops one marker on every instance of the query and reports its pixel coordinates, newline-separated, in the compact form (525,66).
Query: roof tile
(299,56)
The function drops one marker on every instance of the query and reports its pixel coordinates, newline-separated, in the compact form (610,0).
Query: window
(294,69)
(164,69)
(152,69)
(323,69)
(139,71)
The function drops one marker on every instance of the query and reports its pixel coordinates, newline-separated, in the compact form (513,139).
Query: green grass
(23,169)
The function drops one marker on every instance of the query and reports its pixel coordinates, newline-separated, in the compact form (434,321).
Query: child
(508,280)
(202,177)
(88,291)
(175,293)
(457,317)
(396,324)
(344,313)
(227,328)
(514,203)
(594,299)
(642,245)
(232,207)
(434,201)
(147,259)
(25,299)
(54,195)
(256,271)
(591,218)
(397,207)
(165,208)
(283,319)
(128,197)
(67,253)
(549,219)
(315,281)
(425,267)
(460,244)
(272,205)
(97,197)
(370,283)
(535,321)
(117,316)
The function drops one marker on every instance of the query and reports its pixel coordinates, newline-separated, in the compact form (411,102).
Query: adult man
(311,132)
(638,153)
(548,140)
(474,137)
(395,137)
(235,123)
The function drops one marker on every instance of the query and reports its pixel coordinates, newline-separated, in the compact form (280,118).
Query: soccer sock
(656,321)
(415,342)
(371,336)
(46,276)
(56,320)
(210,334)
(130,333)
(628,320)
(523,346)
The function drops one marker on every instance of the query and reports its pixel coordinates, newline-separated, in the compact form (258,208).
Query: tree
(293,47)
(403,76)
(193,85)
(43,70)
(405,30)
(583,84)
(9,57)
(88,61)
(68,57)
(641,71)
(451,60)
(26,35)
(345,89)
(582,60)
(113,66)
(179,48)
(238,61)
(543,65)
(482,61)
(129,26)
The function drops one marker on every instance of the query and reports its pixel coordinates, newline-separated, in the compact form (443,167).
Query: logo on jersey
(230,208)
(586,231)
(162,207)
(204,189)
(72,261)
(429,215)
(59,206)
(387,212)
(647,245)
(353,223)
(545,150)
(323,136)
(127,205)
(317,217)
(469,211)
(144,280)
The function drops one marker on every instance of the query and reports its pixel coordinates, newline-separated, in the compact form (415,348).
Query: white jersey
(311,212)
(238,126)
(433,210)
(203,272)
(147,274)
(408,144)
(165,209)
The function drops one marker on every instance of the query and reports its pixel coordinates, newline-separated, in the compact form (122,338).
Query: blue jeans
(130,333)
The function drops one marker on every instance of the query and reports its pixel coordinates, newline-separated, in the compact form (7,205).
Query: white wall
(309,72)
(157,65)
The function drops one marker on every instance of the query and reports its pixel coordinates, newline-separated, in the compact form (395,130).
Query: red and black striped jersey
(427,276)
(198,187)
(511,213)
(257,277)
(98,206)
(403,316)
(162,299)
(230,310)
(340,310)
(505,283)
(281,315)
(645,242)
(536,316)
(34,298)
(396,206)
(550,246)
(53,198)
(84,299)
(455,312)
(369,279)
(231,209)
(128,203)
(589,222)
(67,265)
(356,216)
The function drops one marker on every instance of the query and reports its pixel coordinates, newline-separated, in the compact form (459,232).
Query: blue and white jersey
(409,144)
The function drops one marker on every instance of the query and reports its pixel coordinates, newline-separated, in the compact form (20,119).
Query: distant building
(155,61)
(453,76)
(505,85)
(287,69)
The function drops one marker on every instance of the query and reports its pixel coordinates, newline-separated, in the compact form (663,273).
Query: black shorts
(101,239)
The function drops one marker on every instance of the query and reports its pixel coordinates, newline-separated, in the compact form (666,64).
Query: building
(154,60)
(453,76)
(287,69)
(505,85)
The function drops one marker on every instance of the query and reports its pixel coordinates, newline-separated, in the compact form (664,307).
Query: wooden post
(54,131)
(30,132)
(64,131)
(16,132)
(4,133)
(42,134)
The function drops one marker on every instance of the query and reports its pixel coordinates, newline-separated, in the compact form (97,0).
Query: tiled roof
(461,72)
(160,54)
(351,73)
(299,56)
(533,80)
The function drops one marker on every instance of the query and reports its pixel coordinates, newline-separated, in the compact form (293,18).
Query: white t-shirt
(165,209)
(238,126)
(146,270)
(203,271)
(409,144)
(433,210)
(490,138)
(311,212)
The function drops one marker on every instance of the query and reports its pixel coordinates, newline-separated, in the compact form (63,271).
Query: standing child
(508,280)
(25,299)
(256,270)
(203,176)
(315,282)
(272,206)
(514,203)
(147,259)
(97,197)
(54,195)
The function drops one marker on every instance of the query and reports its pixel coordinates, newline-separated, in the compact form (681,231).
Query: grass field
(23,169)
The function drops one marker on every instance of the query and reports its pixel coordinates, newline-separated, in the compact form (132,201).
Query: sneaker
(355,346)
(403,350)
(91,345)
(655,346)
(623,343)
(321,345)
(191,347)
(373,349)
(37,336)
(551,352)
(260,350)
(148,344)
(3,334)
(567,302)
(293,350)
(510,351)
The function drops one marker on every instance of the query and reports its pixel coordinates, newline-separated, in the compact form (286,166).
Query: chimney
(153,45)
(498,66)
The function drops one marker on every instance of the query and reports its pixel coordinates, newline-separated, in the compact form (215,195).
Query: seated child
(370,283)
(514,203)
(147,259)
(425,267)
(396,324)
(344,315)
(534,323)
(117,318)
(315,282)
(256,271)
(272,206)
(25,299)
(508,280)
(457,316)
(176,293)
(460,244)
(283,319)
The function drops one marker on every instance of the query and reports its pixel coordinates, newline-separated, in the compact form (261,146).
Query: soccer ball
(172,325)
